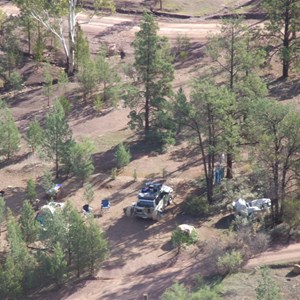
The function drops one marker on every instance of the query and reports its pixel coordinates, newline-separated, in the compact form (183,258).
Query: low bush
(229,262)
(180,237)
(196,206)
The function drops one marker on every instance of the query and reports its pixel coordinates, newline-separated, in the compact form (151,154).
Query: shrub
(122,156)
(175,292)
(196,206)
(281,233)
(180,237)
(229,262)
(267,288)
(98,103)
(66,105)
(114,173)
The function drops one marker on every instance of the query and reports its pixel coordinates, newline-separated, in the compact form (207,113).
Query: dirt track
(287,254)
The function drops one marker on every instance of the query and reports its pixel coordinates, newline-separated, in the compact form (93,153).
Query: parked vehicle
(152,201)
(246,209)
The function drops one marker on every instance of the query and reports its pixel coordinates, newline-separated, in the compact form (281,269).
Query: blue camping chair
(105,205)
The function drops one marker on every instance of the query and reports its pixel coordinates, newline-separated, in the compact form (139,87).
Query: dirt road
(290,253)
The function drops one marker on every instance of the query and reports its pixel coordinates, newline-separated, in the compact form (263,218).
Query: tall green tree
(107,76)
(31,190)
(282,30)
(34,135)
(78,236)
(9,133)
(57,135)
(155,74)
(81,159)
(19,259)
(57,265)
(28,225)
(276,129)
(208,118)
(237,54)
(97,246)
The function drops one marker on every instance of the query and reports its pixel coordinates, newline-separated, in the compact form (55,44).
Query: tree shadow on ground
(284,89)
(194,52)
(224,222)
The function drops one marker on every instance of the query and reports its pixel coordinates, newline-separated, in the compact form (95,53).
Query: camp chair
(105,205)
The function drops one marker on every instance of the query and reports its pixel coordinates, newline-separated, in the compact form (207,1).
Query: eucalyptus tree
(52,15)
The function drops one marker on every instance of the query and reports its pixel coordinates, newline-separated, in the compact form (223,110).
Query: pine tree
(155,74)
(34,135)
(9,133)
(81,159)
(122,156)
(28,225)
(57,264)
(31,190)
(57,135)
(97,246)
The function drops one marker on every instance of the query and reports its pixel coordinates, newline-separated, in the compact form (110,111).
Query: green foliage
(108,77)
(63,80)
(57,135)
(30,190)
(9,133)
(180,238)
(276,127)
(122,156)
(154,74)
(98,103)
(196,206)
(97,246)
(81,159)
(2,210)
(57,265)
(114,173)
(87,77)
(88,194)
(15,81)
(176,292)
(229,262)
(34,135)
(47,182)
(208,117)
(179,292)
(281,31)
(28,225)
(267,288)
(66,105)
(82,52)
(182,47)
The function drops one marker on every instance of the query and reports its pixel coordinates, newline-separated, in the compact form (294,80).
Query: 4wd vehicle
(152,201)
